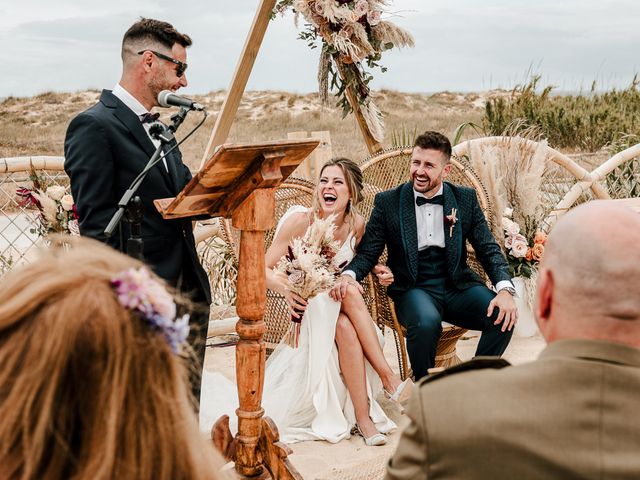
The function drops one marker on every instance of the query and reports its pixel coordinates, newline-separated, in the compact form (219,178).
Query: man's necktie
(437,200)
(149,117)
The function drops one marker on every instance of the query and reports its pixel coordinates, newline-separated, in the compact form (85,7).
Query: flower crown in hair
(139,292)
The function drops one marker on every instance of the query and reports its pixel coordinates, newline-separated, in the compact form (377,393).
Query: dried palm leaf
(323,76)
(48,207)
(387,32)
(373,117)
(332,11)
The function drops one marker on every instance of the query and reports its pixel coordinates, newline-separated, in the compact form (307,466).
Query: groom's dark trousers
(433,299)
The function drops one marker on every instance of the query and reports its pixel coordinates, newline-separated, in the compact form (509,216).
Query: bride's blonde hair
(355,184)
(87,389)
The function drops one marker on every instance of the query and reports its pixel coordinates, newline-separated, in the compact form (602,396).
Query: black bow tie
(149,117)
(437,200)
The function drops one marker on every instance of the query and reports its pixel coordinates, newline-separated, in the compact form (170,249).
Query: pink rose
(318,8)
(519,248)
(373,17)
(296,278)
(508,241)
(56,192)
(67,202)
(361,8)
(511,239)
(512,228)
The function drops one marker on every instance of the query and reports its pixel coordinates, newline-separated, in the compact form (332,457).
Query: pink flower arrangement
(523,254)
(310,266)
(58,212)
(353,36)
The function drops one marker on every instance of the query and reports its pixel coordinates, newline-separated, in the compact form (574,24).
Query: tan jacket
(572,414)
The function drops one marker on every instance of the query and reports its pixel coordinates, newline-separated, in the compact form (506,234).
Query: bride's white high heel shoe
(375,440)
(402,393)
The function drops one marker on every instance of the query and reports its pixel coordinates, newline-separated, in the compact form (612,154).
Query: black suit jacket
(393,224)
(105,148)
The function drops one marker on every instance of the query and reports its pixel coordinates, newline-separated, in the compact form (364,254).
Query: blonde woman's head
(88,389)
(340,186)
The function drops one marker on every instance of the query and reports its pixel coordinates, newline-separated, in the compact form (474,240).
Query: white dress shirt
(136,107)
(429,222)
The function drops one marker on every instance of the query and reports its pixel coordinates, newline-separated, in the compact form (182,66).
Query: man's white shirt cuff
(504,284)
(351,273)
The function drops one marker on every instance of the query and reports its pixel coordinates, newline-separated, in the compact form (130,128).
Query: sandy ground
(351,459)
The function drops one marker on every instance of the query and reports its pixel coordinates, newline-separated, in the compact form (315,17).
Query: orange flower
(540,238)
(529,256)
(537,251)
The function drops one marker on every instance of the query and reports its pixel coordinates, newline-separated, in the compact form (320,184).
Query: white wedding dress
(304,392)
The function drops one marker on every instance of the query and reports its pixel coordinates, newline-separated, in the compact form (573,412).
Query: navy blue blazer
(105,148)
(393,224)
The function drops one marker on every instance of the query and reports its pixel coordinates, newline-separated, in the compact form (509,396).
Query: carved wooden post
(252,218)
(238,181)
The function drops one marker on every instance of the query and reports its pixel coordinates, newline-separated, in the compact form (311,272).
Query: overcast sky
(461,45)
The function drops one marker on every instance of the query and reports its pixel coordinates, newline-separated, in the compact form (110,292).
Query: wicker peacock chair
(388,169)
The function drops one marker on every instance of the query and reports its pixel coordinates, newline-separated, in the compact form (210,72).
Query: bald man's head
(589,279)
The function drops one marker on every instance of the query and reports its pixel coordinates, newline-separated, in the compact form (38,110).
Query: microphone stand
(130,205)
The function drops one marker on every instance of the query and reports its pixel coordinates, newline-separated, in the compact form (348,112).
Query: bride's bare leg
(355,309)
(351,360)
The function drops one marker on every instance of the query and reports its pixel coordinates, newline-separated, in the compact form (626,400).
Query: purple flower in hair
(139,292)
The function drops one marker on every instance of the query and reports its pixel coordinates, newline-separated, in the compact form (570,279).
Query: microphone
(166,98)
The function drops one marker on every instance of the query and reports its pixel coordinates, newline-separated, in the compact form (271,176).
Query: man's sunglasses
(180,66)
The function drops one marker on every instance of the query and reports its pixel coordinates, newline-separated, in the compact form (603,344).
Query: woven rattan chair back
(387,170)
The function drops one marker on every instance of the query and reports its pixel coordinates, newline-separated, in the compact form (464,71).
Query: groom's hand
(508,314)
(384,274)
(341,287)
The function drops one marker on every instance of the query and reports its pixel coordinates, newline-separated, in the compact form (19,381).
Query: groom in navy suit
(109,144)
(425,224)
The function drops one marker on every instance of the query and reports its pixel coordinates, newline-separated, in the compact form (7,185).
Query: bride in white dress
(328,385)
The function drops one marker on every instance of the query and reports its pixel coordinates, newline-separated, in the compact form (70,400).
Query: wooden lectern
(238,181)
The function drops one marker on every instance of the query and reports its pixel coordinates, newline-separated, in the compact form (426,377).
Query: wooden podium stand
(238,182)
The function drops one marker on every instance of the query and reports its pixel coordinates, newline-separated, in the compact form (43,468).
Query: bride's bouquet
(310,266)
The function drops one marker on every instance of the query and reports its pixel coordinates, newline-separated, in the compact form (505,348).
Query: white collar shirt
(430,222)
(137,108)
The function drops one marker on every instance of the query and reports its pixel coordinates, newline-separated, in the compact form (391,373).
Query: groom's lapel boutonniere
(451,220)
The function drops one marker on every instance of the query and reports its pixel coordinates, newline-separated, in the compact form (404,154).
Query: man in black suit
(109,144)
(425,224)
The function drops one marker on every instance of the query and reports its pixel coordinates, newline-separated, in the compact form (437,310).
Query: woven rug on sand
(373,469)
